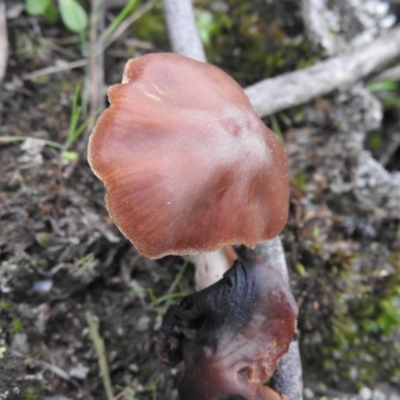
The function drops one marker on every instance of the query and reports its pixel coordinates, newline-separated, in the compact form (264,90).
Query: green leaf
(37,7)
(275,127)
(119,18)
(51,13)
(386,85)
(391,102)
(69,155)
(73,15)
(375,142)
(205,22)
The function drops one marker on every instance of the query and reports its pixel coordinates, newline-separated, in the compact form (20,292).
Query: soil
(63,263)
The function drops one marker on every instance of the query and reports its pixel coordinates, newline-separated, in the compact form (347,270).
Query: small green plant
(276,127)
(300,179)
(73,15)
(155,301)
(17,325)
(32,393)
(388,91)
(86,260)
(138,291)
(5,305)
(205,25)
(75,130)
(171,294)
(127,9)
(126,393)
(152,388)
(42,8)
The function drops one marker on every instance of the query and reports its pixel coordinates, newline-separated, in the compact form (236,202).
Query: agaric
(190,168)
(188,165)
(244,323)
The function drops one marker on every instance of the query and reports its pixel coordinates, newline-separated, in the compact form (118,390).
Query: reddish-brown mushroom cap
(188,165)
(243,325)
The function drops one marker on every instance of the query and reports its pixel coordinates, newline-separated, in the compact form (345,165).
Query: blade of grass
(118,19)
(156,301)
(178,276)
(75,114)
(275,127)
(101,355)
(9,139)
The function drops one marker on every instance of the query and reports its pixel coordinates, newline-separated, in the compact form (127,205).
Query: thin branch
(95,76)
(287,379)
(185,40)
(53,69)
(3,40)
(9,139)
(288,90)
(315,23)
(391,73)
(182,29)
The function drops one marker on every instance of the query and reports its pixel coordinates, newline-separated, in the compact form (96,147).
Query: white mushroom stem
(209,267)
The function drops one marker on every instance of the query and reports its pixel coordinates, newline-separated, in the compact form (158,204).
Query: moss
(151,27)
(263,37)
(350,317)
(32,393)
(17,326)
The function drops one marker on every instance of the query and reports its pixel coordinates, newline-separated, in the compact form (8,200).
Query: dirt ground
(63,263)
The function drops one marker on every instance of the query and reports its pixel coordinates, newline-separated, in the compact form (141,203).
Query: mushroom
(188,165)
(243,325)
(211,266)
(190,168)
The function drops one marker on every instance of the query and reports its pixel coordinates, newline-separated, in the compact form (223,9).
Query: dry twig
(3,40)
(182,29)
(95,78)
(288,90)
(185,40)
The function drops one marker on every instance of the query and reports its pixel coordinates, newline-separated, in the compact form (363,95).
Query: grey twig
(316,25)
(3,40)
(185,40)
(287,379)
(390,73)
(94,82)
(294,88)
(182,29)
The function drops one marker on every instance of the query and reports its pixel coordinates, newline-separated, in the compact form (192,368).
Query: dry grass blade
(55,69)
(101,355)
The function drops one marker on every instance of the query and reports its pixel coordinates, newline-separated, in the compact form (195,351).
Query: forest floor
(63,264)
